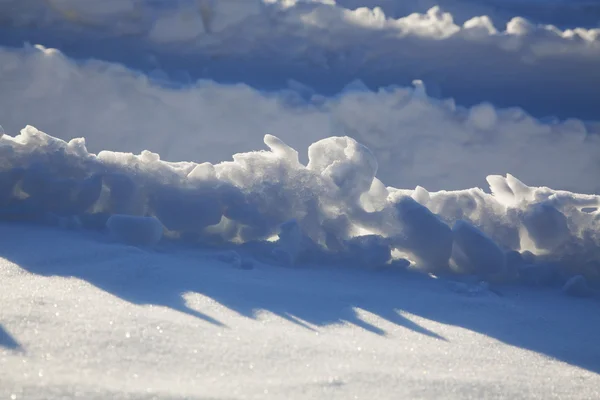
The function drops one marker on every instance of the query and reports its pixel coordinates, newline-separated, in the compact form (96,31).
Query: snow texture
(417,140)
(332,209)
(81,317)
(154,264)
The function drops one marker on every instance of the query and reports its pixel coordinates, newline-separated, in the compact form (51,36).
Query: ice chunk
(124,194)
(369,250)
(290,243)
(86,194)
(134,230)
(424,235)
(474,252)
(349,164)
(421,195)
(547,227)
(279,148)
(186,210)
(509,190)
(501,190)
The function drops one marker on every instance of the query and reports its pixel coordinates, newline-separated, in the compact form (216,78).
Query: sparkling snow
(297,199)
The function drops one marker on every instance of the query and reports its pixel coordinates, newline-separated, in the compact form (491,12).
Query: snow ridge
(333,209)
(417,139)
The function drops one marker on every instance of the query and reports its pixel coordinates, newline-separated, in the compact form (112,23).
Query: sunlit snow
(299,199)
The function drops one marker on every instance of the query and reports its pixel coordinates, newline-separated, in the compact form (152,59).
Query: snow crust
(331,210)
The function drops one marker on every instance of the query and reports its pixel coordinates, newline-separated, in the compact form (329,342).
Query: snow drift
(333,209)
(417,140)
(325,45)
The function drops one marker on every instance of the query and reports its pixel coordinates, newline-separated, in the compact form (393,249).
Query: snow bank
(333,208)
(325,45)
(416,139)
(570,13)
(160,19)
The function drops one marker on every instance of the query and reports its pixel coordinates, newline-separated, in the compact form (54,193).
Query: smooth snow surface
(95,320)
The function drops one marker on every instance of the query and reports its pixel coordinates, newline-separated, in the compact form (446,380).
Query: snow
(115,108)
(177,323)
(474,252)
(315,211)
(149,248)
(507,63)
(140,231)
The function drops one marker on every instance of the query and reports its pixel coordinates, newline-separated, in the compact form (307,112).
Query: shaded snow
(286,273)
(317,210)
(416,139)
(508,63)
(180,324)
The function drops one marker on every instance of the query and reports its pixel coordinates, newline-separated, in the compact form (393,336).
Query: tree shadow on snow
(379,302)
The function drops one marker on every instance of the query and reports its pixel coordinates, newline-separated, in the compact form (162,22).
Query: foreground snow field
(85,318)
(200,266)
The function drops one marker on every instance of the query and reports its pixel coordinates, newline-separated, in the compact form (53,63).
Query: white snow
(85,318)
(314,209)
(417,140)
(148,250)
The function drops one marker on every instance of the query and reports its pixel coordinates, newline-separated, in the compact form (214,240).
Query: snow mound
(405,129)
(475,252)
(325,45)
(333,208)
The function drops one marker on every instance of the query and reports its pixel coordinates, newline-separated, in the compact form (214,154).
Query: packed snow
(547,70)
(421,219)
(417,140)
(332,210)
